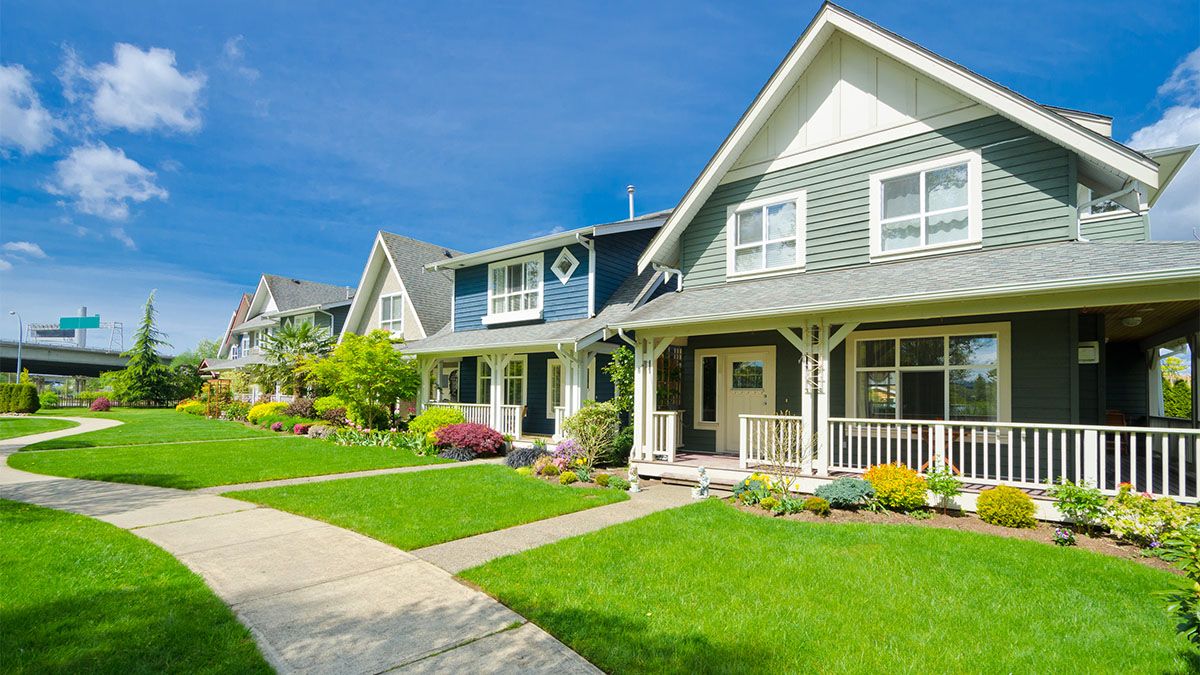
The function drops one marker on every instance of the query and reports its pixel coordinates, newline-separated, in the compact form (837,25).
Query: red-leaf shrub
(300,429)
(478,438)
(278,426)
(101,404)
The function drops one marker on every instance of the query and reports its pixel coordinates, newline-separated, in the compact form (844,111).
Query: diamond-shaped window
(565,265)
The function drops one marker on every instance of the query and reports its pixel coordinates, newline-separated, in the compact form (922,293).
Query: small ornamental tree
(369,373)
(145,377)
(478,438)
(287,351)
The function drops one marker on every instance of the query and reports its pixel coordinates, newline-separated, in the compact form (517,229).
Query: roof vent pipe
(630,189)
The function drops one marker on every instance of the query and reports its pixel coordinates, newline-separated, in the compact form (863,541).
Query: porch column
(497,363)
(822,403)
(807,375)
(424,365)
(574,372)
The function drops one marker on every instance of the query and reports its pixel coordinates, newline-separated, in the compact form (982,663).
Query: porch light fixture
(1131,321)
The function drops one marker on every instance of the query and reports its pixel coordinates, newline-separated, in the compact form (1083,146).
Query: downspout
(1100,200)
(667,272)
(590,245)
(621,334)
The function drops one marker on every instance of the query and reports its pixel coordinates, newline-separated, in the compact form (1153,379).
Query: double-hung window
(950,373)
(766,235)
(934,206)
(514,382)
(515,290)
(391,313)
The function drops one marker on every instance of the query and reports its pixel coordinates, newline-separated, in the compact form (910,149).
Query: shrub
(326,403)
(434,418)
(101,404)
(277,426)
(524,471)
(19,398)
(334,416)
(1079,503)
(618,483)
(846,493)
(567,478)
(921,514)
(301,429)
(544,466)
(594,428)
(478,438)
(1183,550)
(235,410)
(301,407)
(1147,521)
(897,486)
(944,484)
(518,457)
(568,454)
(622,446)
(817,506)
(753,489)
(263,409)
(769,503)
(1006,506)
(602,479)
(192,408)
(48,399)
(457,454)
(321,431)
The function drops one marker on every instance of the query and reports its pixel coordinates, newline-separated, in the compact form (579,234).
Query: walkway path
(456,556)
(318,599)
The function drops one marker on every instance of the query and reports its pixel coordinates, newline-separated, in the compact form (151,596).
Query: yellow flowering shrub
(897,486)
(1006,506)
(263,410)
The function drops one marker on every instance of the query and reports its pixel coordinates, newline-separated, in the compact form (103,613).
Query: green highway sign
(79,322)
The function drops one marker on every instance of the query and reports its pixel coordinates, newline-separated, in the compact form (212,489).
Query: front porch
(1022,399)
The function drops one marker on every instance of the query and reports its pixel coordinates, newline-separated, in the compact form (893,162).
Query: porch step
(689,481)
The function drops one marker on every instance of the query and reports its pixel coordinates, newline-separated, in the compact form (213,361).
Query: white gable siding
(388,283)
(848,90)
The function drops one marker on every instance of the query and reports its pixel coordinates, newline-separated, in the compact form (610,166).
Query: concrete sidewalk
(456,556)
(317,598)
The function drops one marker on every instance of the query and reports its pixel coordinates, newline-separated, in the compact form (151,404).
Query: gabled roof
(1089,144)
(292,294)
(239,315)
(963,277)
(429,293)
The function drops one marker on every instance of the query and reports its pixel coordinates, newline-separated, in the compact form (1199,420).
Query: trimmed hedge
(19,398)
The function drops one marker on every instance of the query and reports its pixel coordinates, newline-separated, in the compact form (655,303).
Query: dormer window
(930,207)
(515,290)
(391,313)
(766,235)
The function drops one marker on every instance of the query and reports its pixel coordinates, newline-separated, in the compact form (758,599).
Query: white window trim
(800,197)
(1002,330)
(522,315)
(551,364)
(394,320)
(564,276)
(479,366)
(974,162)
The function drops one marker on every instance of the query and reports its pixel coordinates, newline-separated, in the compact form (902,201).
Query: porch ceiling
(1149,319)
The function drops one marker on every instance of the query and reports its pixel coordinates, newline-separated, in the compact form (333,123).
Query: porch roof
(538,335)
(965,276)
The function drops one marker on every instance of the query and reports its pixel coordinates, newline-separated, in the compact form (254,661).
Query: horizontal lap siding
(1130,228)
(560,301)
(470,298)
(1027,193)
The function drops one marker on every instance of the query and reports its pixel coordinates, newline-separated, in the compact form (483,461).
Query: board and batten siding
(560,301)
(1131,227)
(1028,195)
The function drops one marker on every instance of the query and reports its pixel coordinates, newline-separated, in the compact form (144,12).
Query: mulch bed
(957,520)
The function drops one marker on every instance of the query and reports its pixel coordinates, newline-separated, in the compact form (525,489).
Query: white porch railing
(665,435)
(481,413)
(560,416)
(775,439)
(1162,462)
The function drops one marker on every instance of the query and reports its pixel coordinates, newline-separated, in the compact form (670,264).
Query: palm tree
(287,349)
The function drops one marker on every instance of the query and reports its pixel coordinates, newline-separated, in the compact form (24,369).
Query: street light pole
(20,338)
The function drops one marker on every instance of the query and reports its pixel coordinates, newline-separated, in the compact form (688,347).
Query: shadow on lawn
(59,444)
(166,480)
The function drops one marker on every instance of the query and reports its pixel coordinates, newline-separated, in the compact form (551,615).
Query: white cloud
(141,90)
(5,265)
(25,248)
(24,123)
(235,58)
(1176,215)
(120,235)
(101,181)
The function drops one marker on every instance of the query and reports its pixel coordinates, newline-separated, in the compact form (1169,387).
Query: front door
(748,389)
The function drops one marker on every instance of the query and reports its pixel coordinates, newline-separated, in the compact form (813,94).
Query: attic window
(564,265)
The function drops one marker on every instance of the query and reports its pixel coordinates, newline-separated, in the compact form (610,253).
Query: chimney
(630,189)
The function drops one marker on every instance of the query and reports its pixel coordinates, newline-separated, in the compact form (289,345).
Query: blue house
(527,339)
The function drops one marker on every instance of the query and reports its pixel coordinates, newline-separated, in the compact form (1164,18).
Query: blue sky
(228,139)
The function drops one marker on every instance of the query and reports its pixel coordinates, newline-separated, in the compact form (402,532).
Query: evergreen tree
(146,377)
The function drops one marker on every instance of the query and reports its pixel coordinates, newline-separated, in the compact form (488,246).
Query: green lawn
(194,465)
(413,510)
(78,595)
(11,427)
(141,425)
(707,588)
